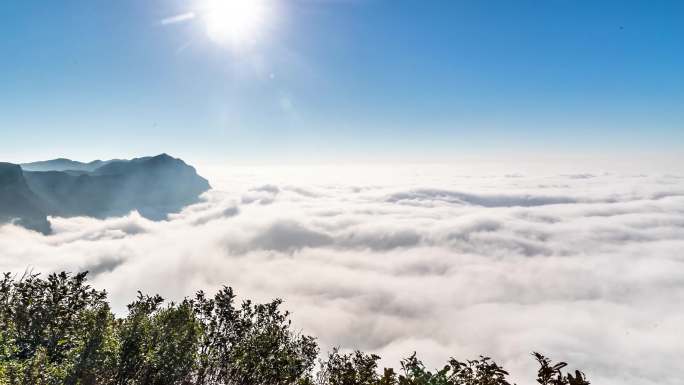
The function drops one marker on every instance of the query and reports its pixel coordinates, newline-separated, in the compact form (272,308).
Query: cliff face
(154,186)
(18,204)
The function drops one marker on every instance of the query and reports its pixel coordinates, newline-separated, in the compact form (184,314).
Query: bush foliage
(59,330)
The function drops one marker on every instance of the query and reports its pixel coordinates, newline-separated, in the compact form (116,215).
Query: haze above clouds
(585,267)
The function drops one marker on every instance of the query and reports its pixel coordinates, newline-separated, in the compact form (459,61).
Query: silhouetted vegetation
(59,330)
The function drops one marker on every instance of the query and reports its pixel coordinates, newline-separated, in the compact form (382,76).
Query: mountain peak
(163,157)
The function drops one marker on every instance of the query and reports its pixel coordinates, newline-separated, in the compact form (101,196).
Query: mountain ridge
(63,164)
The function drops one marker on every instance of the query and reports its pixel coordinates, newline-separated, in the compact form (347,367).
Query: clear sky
(317,79)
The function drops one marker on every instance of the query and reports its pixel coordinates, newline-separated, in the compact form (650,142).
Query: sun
(236,22)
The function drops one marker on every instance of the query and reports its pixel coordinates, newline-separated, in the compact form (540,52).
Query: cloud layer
(587,268)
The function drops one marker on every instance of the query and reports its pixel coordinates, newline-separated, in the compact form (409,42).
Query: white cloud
(587,268)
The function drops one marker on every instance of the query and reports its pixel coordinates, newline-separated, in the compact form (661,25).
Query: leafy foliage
(361,369)
(59,330)
(551,374)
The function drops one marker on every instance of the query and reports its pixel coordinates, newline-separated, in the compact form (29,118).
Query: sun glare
(236,22)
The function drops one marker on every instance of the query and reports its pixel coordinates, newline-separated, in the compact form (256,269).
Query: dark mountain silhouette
(154,186)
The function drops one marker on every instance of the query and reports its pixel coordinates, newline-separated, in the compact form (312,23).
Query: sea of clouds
(587,268)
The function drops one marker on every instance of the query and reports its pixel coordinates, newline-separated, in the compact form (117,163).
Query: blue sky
(356,79)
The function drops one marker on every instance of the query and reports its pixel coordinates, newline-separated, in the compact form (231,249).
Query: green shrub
(59,330)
